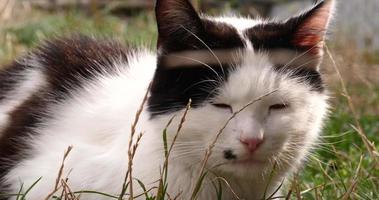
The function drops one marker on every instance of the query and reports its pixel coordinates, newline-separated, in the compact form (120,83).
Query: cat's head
(267,71)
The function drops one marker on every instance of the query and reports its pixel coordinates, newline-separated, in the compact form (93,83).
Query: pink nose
(251,144)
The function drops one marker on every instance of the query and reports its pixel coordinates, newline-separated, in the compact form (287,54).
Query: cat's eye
(279,106)
(223,106)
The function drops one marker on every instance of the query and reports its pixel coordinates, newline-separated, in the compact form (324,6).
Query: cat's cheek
(277,124)
(277,130)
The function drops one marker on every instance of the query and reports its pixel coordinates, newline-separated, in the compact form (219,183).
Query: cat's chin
(249,162)
(245,168)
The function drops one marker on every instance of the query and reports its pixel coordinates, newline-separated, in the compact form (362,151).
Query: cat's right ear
(177,22)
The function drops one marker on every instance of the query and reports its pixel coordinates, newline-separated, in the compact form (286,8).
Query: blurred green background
(336,170)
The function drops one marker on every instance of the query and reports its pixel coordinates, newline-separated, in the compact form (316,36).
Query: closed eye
(279,106)
(223,106)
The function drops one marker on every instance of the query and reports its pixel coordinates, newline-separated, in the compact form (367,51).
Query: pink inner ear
(311,32)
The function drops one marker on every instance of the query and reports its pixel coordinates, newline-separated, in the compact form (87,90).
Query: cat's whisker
(210,50)
(200,82)
(314,145)
(301,55)
(185,149)
(316,159)
(335,136)
(306,63)
(220,78)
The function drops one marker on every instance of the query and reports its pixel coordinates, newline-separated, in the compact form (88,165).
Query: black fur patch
(10,76)
(213,35)
(14,144)
(311,77)
(181,29)
(229,155)
(271,36)
(68,63)
(308,75)
(293,34)
(172,88)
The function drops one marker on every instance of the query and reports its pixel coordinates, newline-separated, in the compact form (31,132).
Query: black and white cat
(85,93)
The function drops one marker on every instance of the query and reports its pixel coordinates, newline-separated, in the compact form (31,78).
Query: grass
(18,37)
(342,168)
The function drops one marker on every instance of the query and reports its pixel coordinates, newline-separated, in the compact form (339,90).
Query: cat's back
(64,65)
(61,66)
(65,86)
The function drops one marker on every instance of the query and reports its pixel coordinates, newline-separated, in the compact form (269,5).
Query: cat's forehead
(238,22)
(257,76)
(253,77)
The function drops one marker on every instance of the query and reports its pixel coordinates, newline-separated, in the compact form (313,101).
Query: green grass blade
(30,188)
(198,186)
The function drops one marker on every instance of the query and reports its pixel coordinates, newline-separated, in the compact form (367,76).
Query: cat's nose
(251,144)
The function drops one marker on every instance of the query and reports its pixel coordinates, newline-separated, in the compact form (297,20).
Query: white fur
(96,121)
(241,24)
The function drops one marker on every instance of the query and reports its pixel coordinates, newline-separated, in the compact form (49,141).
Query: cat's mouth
(235,159)
(248,161)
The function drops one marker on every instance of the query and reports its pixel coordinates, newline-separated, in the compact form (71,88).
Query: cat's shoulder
(80,55)
(69,61)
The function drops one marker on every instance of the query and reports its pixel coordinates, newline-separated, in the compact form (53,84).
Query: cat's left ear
(303,34)
(177,22)
(309,29)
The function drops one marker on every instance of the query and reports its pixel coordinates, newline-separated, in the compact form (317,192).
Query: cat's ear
(177,21)
(309,29)
(303,34)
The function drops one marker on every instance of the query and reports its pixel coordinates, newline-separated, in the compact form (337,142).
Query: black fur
(309,76)
(67,63)
(10,76)
(288,35)
(229,155)
(181,29)
(172,88)
(70,62)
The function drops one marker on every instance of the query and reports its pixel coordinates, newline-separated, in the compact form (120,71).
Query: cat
(245,99)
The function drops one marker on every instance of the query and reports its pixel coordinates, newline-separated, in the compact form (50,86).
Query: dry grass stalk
(145,192)
(273,194)
(60,173)
(132,149)
(354,181)
(289,193)
(317,194)
(180,126)
(369,145)
(229,186)
(325,172)
(297,189)
(177,196)
(68,194)
(182,120)
(213,143)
